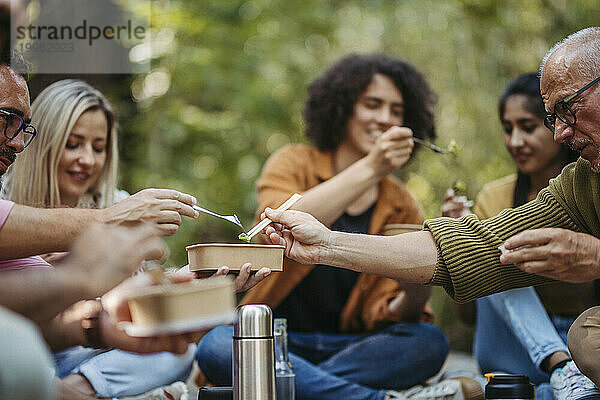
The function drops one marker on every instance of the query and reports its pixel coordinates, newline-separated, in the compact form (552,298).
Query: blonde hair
(32,179)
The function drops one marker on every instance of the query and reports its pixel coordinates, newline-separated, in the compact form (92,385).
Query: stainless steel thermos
(509,387)
(253,353)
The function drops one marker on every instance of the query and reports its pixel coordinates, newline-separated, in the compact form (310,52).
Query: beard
(581,144)
(9,155)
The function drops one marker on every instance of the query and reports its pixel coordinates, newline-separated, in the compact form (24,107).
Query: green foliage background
(228,79)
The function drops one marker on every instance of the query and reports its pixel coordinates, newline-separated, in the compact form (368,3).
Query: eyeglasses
(14,124)
(563,110)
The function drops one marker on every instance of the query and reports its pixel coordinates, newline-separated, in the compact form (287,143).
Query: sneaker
(174,391)
(568,383)
(448,389)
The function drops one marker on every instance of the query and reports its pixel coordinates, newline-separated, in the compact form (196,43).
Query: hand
(160,207)
(409,304)
(455,206)
(305,239)
(391,151)
(245,280)
(106,255)
(116,309)
(54,258)
(555,253)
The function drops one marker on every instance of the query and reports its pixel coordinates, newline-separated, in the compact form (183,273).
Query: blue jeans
(515,334)
(117,373)
(351,367)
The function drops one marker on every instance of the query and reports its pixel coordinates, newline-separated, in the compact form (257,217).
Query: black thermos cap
(509,387)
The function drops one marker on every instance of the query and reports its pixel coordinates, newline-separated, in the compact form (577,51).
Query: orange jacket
(297,168)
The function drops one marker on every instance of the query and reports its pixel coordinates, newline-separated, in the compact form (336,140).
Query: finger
(538,268)
(181,277)
(168,229)
(173,194)
(399,154)
(285,218)
(449,194)
(169,217)
(178,207)
(288,238)
(152,249)
(263,273)
(275,238)
(533,237)
(525,254)
(242,277)
(222,271)
(398,132)
(254,279)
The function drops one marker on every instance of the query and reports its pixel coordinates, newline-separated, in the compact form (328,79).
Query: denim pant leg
(117,373)
(515,334)
(398,357)
(214,357)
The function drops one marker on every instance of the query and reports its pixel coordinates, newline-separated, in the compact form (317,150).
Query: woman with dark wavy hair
(361,116)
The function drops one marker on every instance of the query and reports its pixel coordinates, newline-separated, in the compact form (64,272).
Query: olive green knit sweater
(468,263)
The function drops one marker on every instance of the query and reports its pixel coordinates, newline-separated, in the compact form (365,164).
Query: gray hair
(17,63)
(586,46)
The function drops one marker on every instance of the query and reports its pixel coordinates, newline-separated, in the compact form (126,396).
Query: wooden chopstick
(262,224)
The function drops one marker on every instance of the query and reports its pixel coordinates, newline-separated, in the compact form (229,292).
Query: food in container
(181,307)
(211,256)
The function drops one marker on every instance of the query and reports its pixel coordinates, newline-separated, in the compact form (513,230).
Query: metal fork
(431,146)
(425,143)
(231,218)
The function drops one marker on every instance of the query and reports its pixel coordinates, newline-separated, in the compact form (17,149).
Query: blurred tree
(228,80)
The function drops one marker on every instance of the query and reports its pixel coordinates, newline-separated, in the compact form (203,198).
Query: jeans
(336,366)
(116,373)
(515,334)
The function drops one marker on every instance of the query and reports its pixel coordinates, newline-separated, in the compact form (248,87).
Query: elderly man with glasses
(554,236)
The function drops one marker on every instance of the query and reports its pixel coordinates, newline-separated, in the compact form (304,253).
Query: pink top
(17,263)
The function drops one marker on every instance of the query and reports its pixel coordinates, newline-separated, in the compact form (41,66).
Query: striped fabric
(468,256)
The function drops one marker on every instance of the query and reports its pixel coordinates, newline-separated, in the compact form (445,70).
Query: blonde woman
(74,163)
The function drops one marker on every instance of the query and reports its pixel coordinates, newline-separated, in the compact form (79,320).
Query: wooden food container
(396,229)
(183,306)
(211,256)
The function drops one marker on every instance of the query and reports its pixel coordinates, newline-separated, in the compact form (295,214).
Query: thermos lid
(253,321)
(509,387)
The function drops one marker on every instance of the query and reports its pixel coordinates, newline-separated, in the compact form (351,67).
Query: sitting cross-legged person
(350,335)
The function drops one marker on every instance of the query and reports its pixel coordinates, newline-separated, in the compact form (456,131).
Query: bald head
(568,77)
(578,53)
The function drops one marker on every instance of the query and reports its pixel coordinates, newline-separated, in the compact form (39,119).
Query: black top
(316,303)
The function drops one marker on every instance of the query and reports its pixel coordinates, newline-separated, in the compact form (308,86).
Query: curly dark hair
(332,96)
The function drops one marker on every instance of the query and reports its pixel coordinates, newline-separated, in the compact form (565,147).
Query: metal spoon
(231,218)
